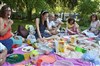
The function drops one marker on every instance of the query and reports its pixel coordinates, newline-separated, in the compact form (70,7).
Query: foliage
(87,6)
(85,9)
(25,8)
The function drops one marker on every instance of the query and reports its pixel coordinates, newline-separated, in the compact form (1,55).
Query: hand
(42,39)
(72,32)
(10,22)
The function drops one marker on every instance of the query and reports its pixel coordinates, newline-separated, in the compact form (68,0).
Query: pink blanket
(76,62)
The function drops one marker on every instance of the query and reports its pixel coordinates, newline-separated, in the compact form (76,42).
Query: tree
(11,3)
(27,6)
(85,8)
(63,4)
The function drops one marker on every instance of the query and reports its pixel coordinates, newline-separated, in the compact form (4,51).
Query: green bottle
(79,49)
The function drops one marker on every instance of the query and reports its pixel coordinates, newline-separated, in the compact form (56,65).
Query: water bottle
(56,45)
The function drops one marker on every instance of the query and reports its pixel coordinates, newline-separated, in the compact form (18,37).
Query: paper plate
(27,49)
(48,58)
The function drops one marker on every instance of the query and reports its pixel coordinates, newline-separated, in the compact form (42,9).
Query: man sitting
(52,29)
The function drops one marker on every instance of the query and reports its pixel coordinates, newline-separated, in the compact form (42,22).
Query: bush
(18,15)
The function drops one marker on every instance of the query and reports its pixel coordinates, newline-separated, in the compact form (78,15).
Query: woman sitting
(41,25)
(5,28)
(93,30)
(95,24)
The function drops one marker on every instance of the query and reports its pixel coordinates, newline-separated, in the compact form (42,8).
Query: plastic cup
(39,61)
(27,56)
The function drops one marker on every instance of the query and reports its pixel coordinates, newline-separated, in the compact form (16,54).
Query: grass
(24,22)
(20,22)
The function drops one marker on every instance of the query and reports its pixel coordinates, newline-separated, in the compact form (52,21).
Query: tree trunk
(29,14)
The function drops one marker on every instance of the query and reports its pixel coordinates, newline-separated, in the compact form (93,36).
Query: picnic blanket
(74,61)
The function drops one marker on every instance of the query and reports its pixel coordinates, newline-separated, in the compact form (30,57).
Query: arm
(48,28)
(3,56)
(2,30)
(37,27)
(77,27)
(59,23)
(68,28)
(98,25)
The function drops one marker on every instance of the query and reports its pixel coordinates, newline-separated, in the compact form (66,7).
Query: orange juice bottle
(61,45)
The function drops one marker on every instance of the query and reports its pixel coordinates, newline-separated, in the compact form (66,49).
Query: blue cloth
(92,56)
(8,44)
(42,31)
(17,40)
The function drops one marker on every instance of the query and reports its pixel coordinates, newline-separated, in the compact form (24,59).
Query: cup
(27,56)
(72,40)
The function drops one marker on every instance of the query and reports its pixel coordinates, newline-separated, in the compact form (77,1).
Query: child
(72,27)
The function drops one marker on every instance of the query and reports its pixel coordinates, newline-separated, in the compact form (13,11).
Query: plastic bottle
(56,45)
(61,45)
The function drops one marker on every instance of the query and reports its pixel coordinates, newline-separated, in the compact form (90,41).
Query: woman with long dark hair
(95,24)
(93,29)
(41,25)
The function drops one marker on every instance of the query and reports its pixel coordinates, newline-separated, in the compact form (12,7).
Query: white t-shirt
(94,24)
(2,47)
(50,24)
(58,20)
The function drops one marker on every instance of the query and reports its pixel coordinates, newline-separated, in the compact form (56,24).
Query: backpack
(22,31)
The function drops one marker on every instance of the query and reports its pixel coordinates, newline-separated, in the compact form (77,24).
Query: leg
(8,44)
(3,57)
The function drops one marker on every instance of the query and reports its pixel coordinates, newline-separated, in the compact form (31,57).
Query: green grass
(24,22)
